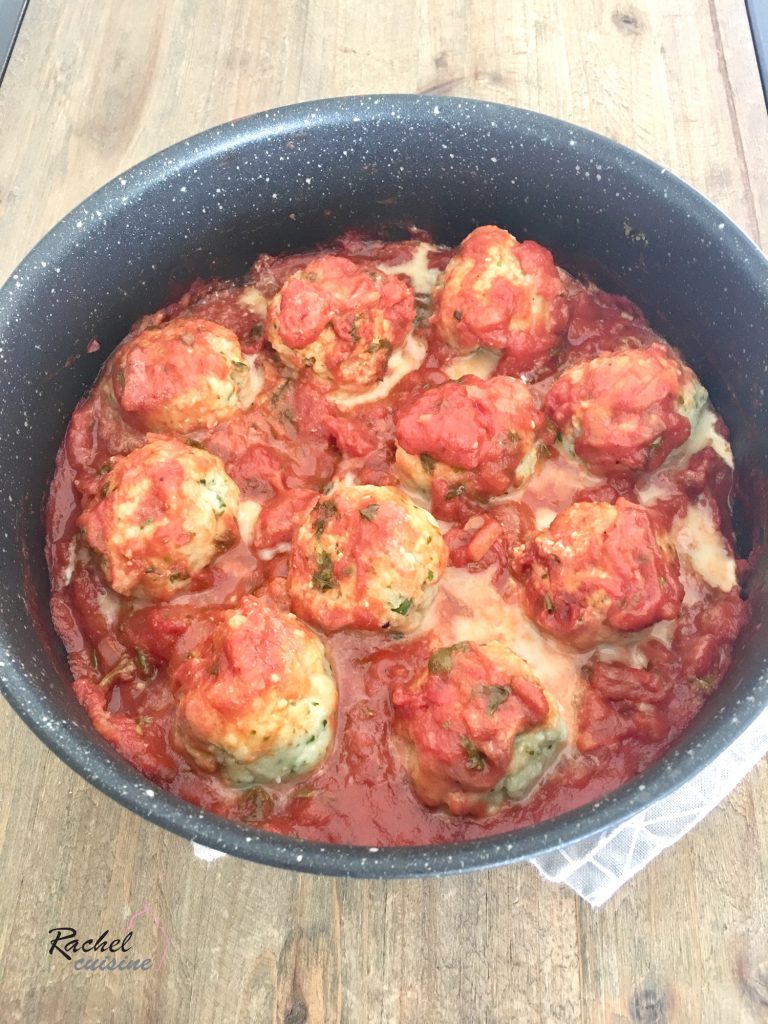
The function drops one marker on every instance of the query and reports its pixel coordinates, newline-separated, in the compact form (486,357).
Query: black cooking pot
(288,179)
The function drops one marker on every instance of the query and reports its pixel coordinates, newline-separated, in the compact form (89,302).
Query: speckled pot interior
(288,179)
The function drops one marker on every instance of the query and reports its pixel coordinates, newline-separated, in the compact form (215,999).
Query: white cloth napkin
(596,868)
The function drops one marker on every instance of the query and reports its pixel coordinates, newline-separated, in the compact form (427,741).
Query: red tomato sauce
(282,452)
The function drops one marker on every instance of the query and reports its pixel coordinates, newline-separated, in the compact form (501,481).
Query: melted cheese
(248,512)
(423,277)
(469,607)
(253,300)
(110,605)
(71,561)
(702,546)
(481,363)
(554,485)
(257,375)
(544,517)
(703,435)
(653,491)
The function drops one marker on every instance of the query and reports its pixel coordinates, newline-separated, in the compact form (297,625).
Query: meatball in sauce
(340,320)
(505,295)
(477,435)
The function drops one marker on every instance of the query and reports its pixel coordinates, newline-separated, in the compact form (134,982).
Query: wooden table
(92,87)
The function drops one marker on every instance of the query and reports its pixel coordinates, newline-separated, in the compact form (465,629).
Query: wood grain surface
(95,85)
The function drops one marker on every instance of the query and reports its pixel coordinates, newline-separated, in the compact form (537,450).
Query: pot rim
(96,761)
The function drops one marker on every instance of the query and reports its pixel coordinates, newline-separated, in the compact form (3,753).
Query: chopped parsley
(428,463)
(441,660)
(369,512)
(277,394)
(455,491)
(705,686)
(495,696)
(324,510)
(221,505)
(238,371)
(323,578)
(143,663)
(513,436)
(125,669)
(404,607)
(653,447)
(475,759)
(380,343)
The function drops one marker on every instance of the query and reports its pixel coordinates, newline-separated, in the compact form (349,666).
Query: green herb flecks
(441,660)
(323,512)
(323,578)
(428,463)
(369,512)
(475,759)
(455,491)
(404,607)
(378,344)
(124,670)
(146,669)
(705,686)
(653,447)
(279,391)
(221,505)
(495,696)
